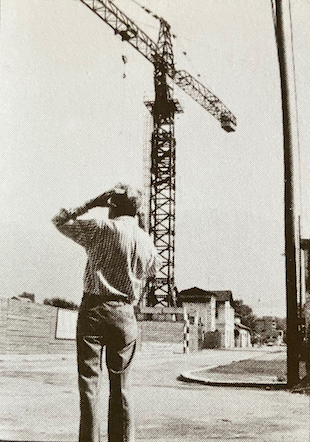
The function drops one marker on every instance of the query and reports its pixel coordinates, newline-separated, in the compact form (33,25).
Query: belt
(108,298)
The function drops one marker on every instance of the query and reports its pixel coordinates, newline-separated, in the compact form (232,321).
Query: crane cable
(147,10)
(174,36)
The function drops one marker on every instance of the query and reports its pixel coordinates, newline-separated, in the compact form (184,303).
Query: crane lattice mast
(161,290)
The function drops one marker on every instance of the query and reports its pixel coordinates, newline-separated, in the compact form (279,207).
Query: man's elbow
(61,218)
(155,267)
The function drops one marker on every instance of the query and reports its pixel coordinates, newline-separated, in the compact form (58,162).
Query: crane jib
(130,32)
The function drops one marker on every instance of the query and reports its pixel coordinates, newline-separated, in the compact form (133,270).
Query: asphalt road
(39,401)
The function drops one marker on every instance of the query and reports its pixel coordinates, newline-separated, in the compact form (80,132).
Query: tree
(281,323)
(27,296)
(246,314)
(61,303)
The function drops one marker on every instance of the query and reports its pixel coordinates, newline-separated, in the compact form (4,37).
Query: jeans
(110,325)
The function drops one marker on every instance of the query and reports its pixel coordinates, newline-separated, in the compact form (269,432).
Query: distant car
(270,342)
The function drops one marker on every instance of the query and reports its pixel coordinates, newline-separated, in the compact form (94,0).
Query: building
(225,318)
(214,313)
(266,329)
(242,334)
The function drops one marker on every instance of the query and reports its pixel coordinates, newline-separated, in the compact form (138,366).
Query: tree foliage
(61,303)
(27,295)
(281,323)
(246,314)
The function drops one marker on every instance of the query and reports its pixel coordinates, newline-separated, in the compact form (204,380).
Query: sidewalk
(207,376)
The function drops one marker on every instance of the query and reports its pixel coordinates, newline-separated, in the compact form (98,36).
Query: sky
(72,126)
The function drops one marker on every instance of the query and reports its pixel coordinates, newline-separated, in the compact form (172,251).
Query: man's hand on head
(101,200)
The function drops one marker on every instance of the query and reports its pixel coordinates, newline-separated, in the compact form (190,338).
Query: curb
(190,376)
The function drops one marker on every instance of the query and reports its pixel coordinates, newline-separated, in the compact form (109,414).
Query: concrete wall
(29,328)
(166,325)
(170,314)
(161,331)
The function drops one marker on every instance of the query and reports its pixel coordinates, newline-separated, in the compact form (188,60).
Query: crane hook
(124,58)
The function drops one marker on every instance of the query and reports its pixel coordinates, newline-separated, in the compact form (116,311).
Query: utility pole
(290,146)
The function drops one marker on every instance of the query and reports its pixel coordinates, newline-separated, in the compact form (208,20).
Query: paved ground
(39,401)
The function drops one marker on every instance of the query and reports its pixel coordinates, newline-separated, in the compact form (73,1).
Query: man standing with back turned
(120,256)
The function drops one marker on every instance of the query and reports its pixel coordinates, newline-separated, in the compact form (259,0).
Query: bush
(61,303)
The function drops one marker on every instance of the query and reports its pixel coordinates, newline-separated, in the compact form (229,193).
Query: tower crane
(161,290)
